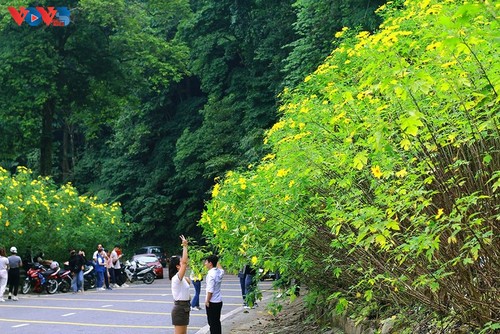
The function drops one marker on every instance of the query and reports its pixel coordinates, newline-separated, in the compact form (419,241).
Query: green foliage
(384,170)
(71,84)
(316,23)
(36,215)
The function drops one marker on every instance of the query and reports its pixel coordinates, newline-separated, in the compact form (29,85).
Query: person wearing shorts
(180,290)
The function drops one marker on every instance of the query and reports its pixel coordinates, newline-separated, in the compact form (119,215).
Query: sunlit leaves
(35,215)
(394,182)
(411,124)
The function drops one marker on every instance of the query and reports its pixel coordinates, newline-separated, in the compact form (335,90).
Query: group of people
(9,273)
(180,291)
(107,267)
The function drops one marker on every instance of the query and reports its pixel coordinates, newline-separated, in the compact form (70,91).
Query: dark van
(156,250)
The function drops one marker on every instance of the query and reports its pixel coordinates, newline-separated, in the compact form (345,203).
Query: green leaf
(360,160)
(410,125)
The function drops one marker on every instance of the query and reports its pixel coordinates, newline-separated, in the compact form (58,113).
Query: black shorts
(180,313)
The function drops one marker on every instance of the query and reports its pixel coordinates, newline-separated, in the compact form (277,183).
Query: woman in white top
(4,266)
(180,289)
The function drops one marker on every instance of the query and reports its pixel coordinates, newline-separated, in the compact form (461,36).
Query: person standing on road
(15,263)
(4,266)
(100,268)
(248,284)
(196,279)
(213,301)
(108,265)
(76,264)
(114,271)
(180,289)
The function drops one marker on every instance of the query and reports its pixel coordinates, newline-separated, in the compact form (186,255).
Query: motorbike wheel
(65,285)
(89,283)
(123,278)
(51,286)
(148,278)
(26,286)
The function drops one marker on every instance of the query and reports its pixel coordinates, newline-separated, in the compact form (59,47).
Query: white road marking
(22,325)
(67,314)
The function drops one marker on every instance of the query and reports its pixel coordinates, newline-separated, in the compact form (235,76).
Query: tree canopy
(383,172)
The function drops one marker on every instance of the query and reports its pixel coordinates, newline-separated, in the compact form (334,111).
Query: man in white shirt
(213,301)
(114,271)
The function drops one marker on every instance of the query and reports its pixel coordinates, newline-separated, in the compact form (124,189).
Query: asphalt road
(140,308)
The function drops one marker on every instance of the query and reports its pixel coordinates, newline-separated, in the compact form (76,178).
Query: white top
(180,289)
(4,263)
(114,257)
(214,281)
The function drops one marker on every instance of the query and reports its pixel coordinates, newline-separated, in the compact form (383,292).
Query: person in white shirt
(114,271)
(180,289)
(4,267)
(213,301)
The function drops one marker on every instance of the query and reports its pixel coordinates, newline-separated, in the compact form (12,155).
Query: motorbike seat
(49,272)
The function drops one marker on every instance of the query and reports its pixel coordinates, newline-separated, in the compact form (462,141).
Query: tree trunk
(46,138)
(68,153)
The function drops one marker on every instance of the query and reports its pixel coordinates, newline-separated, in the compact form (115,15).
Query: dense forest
(148,102)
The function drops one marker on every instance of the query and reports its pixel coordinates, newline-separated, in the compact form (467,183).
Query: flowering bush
(382,187)
(36,215)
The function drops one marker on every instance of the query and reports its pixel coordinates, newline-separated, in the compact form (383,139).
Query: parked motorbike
(63,277)
(89,280)
(38,278)
(137,272)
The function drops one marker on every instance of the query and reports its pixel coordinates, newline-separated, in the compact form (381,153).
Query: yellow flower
(376,172)
(385,106)
(223,225)
(270,156)
(215,191)
(7,223)
(433,46)
(439,213)
(448,64)
(282,172)
(340,33)
(254,260)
